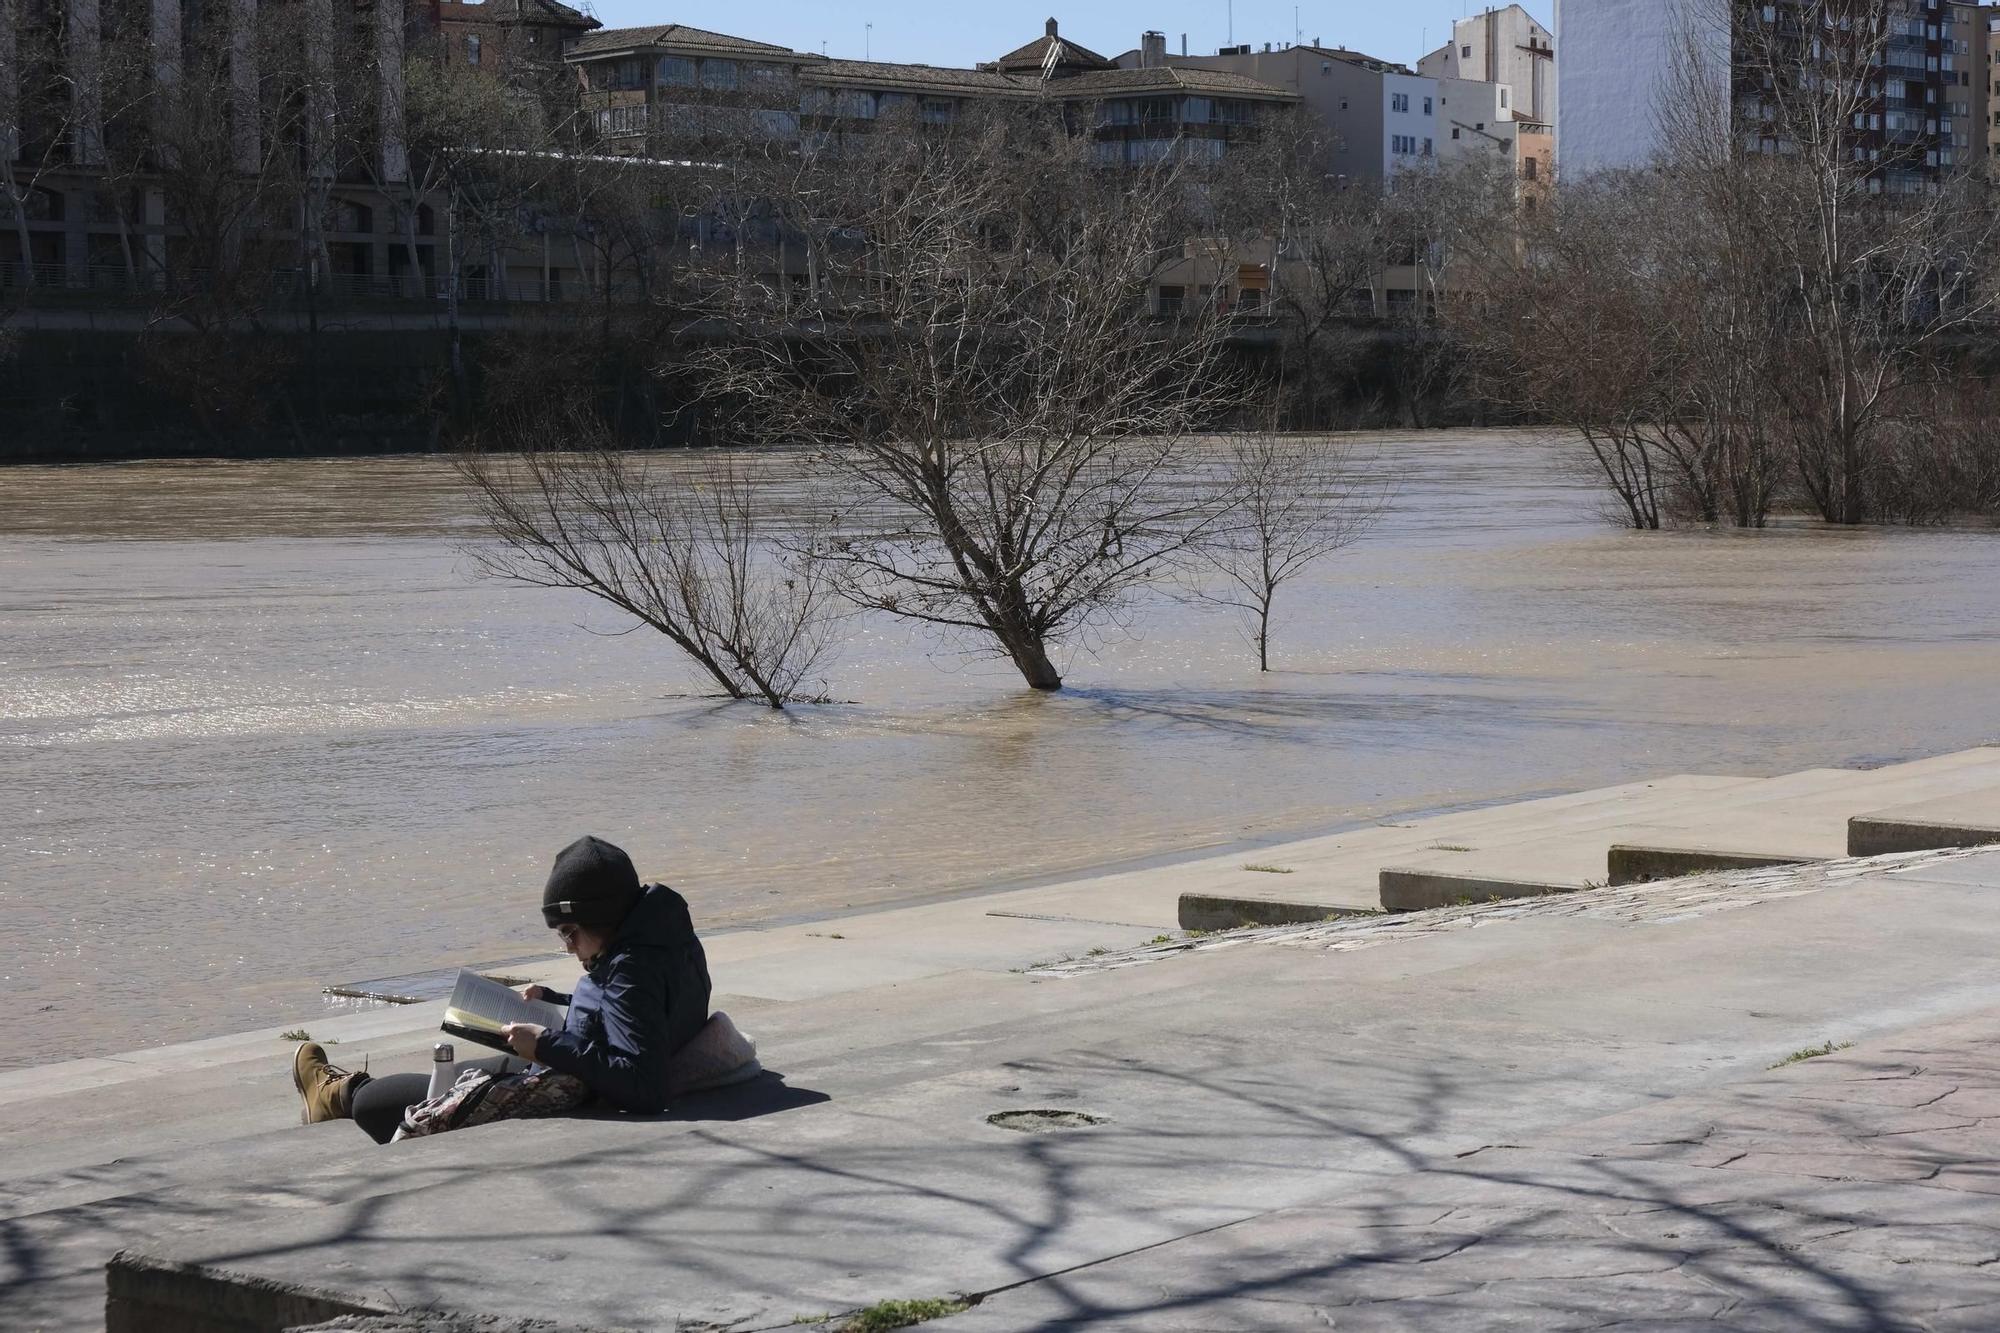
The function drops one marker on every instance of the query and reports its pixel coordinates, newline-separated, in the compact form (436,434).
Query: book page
(488,1006)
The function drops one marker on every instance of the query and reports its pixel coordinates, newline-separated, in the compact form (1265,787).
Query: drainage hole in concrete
(1043,1121)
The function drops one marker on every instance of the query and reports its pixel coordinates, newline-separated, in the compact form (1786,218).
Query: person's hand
(521,1037)
(534,992)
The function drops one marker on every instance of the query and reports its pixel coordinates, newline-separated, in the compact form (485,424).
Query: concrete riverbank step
(1341,873)
(1685,823)
(1443,853)
(1338,874)
(1794,818)
(1968,819)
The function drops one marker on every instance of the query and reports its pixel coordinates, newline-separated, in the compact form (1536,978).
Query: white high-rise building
(1616,74)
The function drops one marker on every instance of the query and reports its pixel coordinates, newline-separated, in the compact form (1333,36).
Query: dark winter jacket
(643,999)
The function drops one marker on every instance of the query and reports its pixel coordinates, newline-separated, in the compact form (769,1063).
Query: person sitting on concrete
(643,998)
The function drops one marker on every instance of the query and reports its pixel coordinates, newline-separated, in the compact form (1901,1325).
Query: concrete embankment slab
(1852,1191)
(1224,1084)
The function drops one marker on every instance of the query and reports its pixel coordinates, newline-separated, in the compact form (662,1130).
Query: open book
(479,1008)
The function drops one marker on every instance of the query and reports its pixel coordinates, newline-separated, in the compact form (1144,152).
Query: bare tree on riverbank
(688,552)
(1747,320)
(1293,500)
(983,364)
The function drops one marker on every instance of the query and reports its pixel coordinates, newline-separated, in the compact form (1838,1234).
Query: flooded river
(261,729)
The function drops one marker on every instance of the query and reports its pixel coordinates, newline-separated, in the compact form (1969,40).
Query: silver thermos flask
(444,1070)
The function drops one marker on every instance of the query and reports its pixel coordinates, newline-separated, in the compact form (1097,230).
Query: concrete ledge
(147,1295)
(1412,890)
(1628,863)
(1219,911)
(1874,835)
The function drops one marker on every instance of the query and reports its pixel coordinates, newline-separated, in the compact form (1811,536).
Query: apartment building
(1475,121)
(1384,115)
(1617,84)
(1986,101)
(645,83)
(1505,47)
(504,36)
(305,100)
(1969,105)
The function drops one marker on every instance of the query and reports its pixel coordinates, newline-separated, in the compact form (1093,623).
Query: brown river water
(262,729)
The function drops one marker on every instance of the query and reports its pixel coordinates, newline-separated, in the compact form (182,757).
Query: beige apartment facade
(1505,46)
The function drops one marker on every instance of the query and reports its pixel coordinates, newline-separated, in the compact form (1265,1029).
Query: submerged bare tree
(1292,501)
(688,551)
(983,365)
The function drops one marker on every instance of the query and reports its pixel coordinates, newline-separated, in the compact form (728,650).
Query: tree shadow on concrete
(1234,1183)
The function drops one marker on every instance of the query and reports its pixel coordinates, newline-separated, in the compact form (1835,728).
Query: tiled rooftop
(1018,73)
(678,36)
(1032,57)
(942,79)
(1171,79)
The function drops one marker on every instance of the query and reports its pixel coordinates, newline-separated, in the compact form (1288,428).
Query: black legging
(379,1103)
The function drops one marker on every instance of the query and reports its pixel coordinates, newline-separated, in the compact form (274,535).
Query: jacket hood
(659,920)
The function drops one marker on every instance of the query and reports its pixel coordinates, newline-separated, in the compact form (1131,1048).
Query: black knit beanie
(593,884)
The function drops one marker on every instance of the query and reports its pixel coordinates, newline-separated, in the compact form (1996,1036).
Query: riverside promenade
(1558,1112)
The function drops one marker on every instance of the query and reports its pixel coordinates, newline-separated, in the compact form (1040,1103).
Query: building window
(1428,150)
(1399,101)
(621,120)
(719,75)
(1465,53)
(1503,99)
(472,48)
(1529,166)
(854,104)
(677,71)
(1454,131)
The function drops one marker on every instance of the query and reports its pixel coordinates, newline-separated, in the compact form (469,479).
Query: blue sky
(951,32)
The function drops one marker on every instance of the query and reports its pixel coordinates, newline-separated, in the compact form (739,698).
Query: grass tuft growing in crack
(1812,1052)
(884,1316)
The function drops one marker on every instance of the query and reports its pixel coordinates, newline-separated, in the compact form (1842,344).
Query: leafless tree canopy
(686,550)
(979,358)
(1290,502)
(1738,326)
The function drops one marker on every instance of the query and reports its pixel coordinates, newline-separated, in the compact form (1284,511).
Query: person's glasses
(567,934)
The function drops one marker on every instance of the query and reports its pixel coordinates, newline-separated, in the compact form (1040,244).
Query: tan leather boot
(327,1089)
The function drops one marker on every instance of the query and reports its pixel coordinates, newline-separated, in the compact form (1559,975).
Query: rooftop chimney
(1050,28)
(1152,50)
